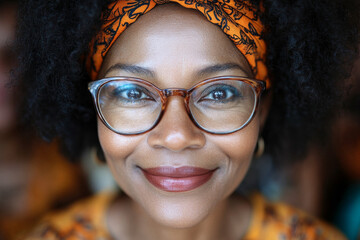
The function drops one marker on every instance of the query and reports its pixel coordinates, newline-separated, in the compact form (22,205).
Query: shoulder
(83,220)
(277,221)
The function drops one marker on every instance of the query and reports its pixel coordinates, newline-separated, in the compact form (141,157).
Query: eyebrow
(219,68)
(150,73)
(132,69)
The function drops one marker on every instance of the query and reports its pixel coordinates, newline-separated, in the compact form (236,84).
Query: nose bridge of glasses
(175,92)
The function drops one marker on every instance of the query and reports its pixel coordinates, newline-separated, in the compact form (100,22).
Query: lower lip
(178,184)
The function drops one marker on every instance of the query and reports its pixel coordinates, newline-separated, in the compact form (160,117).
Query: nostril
(176,137)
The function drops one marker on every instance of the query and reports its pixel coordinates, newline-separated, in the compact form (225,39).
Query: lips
(179,179)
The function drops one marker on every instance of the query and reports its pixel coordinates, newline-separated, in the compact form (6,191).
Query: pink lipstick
(179,179)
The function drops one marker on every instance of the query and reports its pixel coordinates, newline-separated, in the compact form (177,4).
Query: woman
(182,94)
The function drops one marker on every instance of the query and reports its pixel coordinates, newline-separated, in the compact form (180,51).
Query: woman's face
(170,47)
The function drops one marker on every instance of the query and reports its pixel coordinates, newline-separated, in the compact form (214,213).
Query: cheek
(116,150)
(240,145)
(111,143)
(239,148)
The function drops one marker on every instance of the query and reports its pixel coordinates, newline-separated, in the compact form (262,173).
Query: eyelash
(219,87)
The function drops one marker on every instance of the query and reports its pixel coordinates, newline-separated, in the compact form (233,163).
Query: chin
(180,209)
(180,213)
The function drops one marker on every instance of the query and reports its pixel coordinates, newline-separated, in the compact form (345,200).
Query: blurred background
(326,182)
(36,178)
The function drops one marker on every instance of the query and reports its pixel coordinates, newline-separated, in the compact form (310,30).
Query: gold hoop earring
(260,147)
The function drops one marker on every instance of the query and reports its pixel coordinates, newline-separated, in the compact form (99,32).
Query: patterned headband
(237,18)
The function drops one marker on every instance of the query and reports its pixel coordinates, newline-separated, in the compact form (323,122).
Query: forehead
(174,38)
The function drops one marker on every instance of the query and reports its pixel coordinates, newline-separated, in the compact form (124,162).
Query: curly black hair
(311,47)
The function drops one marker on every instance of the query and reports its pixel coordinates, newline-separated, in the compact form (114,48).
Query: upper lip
(177,172)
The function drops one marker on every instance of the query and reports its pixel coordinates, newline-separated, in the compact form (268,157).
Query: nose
(175,131)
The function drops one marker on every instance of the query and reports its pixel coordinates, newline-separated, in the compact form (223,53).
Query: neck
(229,220)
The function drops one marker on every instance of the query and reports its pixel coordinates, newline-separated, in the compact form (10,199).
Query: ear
(264,107)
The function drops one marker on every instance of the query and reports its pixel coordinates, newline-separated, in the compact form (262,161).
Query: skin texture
(176,46)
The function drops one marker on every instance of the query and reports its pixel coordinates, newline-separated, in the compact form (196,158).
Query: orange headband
(237,19)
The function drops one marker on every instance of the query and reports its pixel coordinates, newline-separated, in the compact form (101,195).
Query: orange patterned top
(270,221)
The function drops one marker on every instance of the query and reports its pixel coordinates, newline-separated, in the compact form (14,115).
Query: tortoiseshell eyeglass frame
(94,87)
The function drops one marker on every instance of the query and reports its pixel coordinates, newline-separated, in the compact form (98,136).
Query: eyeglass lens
(220,106)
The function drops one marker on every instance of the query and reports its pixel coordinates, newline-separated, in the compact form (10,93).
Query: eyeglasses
(220,105)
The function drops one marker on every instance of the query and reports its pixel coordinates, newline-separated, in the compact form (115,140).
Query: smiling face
(172,47)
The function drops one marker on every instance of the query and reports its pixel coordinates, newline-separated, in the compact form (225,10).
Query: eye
(220,93)
(131,93)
